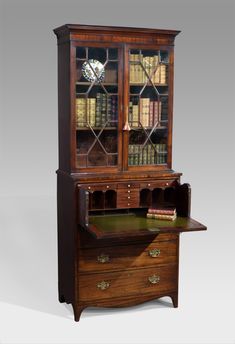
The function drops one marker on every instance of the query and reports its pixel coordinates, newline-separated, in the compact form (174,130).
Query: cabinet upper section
(115,88)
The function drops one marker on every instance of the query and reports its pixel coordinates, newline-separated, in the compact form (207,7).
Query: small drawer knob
(154,279)
(129,191)
(167,183)
(107,186)
(128,186)
(103,258)
(129,197)
(89,188)
(103,285)
(149,184)
(128,203)
(155,252)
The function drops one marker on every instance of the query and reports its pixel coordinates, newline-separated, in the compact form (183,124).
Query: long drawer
(130,282)
(128,256)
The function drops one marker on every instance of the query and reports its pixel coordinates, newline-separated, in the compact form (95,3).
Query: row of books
(97,111)
(161,214)
(149,154)
(154,69)
(147,112)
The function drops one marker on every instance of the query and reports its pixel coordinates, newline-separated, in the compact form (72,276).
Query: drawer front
(131,282)
(128,198)
(99,187)
(129,256)
(157,184)
(129,185)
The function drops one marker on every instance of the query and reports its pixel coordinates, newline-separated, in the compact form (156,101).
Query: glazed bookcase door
(149,113)
(97,107)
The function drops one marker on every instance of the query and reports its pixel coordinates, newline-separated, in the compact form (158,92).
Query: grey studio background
(203,149)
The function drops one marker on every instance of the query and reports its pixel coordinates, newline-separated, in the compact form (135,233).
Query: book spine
(164,154)
(145,111)
(88,106)
(162,74)
(151,71)
(130,156)
(135,78)
(136,155)
(145,62)
(161,217)
(109,108)
(151,112)
(165,217)
(152,159)
(98,110)
(157,153)
(140,155)
(130,114)
(155,68)
(160,153)
(159,112)
(162,211)
(155,113)
(104,109)
(140,77)
(149,154)
(148,67)
(135,115)
(157,74)
(141,103)
(144,158)
(132,68)
(137,68)
(114,110)
(81,112)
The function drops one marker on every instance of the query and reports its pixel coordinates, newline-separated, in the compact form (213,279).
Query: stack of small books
(161,214)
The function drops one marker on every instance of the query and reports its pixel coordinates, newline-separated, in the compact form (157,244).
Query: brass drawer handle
(103,285)
(154,252)
(154,279)
(103,258)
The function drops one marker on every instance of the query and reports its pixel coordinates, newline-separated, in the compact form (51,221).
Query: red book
(162,211)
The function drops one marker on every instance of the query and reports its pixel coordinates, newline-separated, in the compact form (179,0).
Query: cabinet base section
(128,301)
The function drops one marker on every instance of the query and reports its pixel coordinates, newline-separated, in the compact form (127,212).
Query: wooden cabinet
(115,102)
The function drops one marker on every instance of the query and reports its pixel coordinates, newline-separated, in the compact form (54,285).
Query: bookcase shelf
(161,127)
(96,128)
(86,83)
(148,85)
(85,59)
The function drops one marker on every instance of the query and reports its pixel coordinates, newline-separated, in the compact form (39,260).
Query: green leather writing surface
(118,224)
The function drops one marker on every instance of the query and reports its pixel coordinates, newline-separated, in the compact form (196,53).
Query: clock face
(93,70)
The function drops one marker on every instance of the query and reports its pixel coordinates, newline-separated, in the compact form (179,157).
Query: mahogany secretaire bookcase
(115,90)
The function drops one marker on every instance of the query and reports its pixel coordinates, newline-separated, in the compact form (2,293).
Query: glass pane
(148,107)
(96,106)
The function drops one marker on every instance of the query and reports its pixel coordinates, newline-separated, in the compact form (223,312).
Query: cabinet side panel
(64,106)
(183,201)
(67,238)
(170,107)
